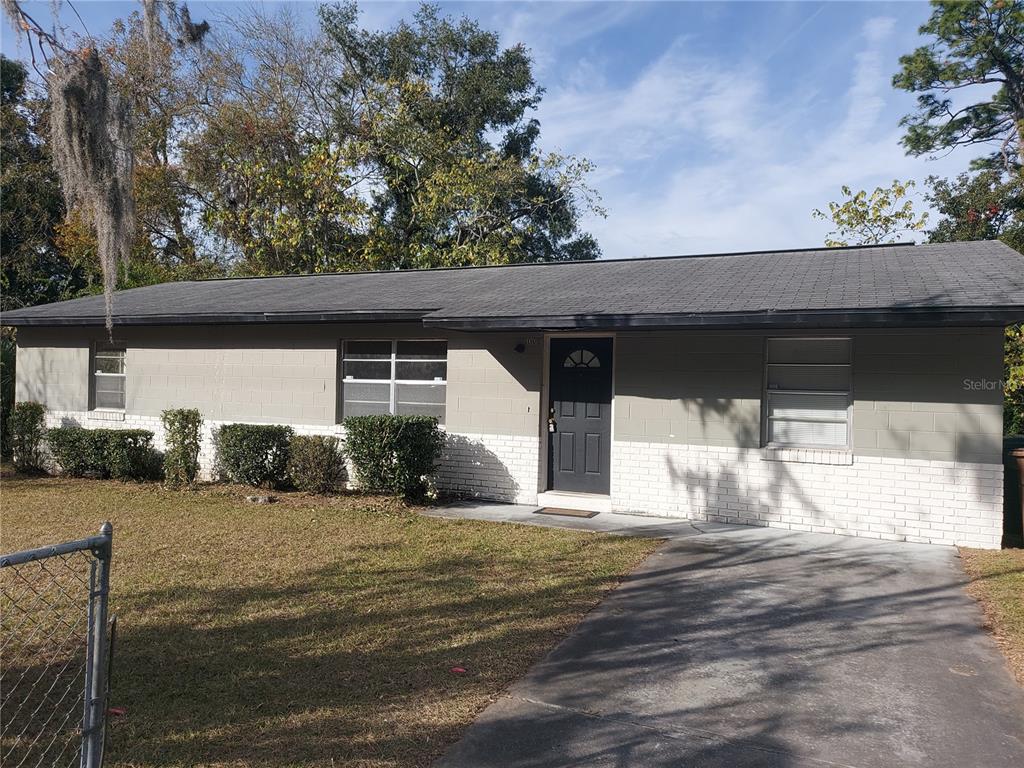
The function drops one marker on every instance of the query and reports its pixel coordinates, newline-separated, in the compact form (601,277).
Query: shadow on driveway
(758,648)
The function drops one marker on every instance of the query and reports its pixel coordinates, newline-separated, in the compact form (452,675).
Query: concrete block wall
(493,389)
(918,500)
(267,385)
(927,394)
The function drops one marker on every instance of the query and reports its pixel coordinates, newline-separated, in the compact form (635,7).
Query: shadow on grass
(347,662)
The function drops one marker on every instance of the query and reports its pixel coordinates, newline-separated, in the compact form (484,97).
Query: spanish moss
(91,134)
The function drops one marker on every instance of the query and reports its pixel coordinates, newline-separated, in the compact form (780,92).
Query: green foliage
(393,454)
(315,463)
(976,48)
(1013,381)
(350,149)
(872,219)
(181,457)
(26,426)
(424,101)
(33,270)
(254,454)
(987,205)
(8,358)
(297,213)
(123,454)
(276,149)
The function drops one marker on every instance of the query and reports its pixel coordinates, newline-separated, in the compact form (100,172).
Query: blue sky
(714,126)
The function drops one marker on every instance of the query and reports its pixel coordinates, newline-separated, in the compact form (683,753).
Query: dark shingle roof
(963,283)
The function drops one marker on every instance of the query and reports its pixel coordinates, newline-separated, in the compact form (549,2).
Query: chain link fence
(54,656)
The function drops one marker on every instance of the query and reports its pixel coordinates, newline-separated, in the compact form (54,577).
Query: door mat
(564,512)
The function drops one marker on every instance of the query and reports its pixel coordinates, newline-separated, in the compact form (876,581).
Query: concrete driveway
(738,647)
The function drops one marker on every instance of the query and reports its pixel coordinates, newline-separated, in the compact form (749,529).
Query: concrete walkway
(734,646)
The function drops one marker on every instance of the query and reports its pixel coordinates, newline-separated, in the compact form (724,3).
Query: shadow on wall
(716,491)
(469,469)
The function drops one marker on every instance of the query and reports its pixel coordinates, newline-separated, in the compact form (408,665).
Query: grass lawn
(997,581)
(312,631)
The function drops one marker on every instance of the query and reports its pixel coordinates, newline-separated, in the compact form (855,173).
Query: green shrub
(254,454)
(394,454)
(8,355)
(123,454)
(181,457)
(26,428)
(315,463)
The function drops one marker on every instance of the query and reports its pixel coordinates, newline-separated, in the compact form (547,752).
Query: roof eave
(846,318)
(221,318)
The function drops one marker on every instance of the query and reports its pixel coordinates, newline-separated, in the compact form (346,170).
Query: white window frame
(94,374)
(765,391)
(392,380)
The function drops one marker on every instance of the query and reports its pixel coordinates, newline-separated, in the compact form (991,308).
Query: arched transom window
(581,358)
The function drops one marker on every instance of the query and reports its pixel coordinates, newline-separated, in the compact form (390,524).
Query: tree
(91,129)
(986,205)
(1013,381)
(435,112)
(977,48)
(156,76)
(274,174)
(31,208)
(872,219)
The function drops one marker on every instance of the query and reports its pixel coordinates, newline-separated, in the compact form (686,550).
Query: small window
(108,378)
(582,358)
(807,403)
(405,377)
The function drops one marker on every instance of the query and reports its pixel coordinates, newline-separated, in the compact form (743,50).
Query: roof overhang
(264,318)
(903,317)
(767,319)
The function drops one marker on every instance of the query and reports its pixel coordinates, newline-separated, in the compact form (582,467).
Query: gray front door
(580,415)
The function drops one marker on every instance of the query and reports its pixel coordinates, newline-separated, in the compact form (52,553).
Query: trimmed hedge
(393,454)
(123,454)
(254,454)
(26,429)
(181,459)
(315,463)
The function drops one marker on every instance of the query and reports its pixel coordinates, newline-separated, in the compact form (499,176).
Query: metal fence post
(93,731)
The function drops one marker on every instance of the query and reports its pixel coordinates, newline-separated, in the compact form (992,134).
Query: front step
(587,502)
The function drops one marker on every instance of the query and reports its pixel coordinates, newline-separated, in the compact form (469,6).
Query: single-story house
(845,390)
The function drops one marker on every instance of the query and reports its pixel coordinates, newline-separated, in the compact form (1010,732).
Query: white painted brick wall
(499,467)
(207,453)
(938,502)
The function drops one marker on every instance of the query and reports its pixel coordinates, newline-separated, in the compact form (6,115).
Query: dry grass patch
(313,631)
(997,582)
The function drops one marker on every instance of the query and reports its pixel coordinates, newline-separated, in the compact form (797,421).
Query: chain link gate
(53,653)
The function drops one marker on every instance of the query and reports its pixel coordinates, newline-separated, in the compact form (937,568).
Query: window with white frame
(807,402)
(108,377)
(405,377)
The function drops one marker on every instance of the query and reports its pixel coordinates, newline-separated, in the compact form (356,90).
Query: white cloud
(697,155)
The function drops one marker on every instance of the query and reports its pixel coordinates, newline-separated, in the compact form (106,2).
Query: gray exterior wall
(52,368)
(492,388)
(282,373)
(912,392)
